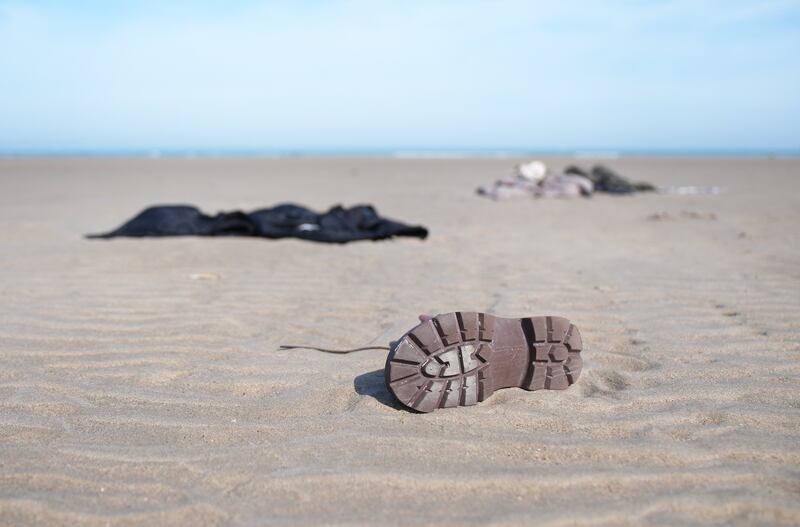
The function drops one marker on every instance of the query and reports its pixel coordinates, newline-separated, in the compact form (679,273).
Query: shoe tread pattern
(447,361)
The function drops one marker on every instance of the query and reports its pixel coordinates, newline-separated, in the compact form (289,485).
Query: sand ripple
(133,392)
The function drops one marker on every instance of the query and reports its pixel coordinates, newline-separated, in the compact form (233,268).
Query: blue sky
(374,74)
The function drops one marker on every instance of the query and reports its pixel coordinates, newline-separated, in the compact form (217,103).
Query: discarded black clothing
(338,225)
(606,180)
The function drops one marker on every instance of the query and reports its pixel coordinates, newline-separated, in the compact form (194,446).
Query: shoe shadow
(373,385)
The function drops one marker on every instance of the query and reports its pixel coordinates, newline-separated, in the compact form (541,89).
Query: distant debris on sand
(606,180)
(690,190)
(534,179)
(686,214)
(338,225)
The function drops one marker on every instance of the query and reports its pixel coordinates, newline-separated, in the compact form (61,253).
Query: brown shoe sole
(461,358)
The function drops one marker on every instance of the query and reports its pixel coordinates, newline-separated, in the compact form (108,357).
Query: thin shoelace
(326,350)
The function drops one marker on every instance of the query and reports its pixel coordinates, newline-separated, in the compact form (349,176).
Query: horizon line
(411,153)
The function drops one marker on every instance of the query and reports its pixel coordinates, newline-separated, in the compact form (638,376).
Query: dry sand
(141,381)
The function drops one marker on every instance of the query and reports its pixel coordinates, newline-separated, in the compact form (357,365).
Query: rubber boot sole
(461,358)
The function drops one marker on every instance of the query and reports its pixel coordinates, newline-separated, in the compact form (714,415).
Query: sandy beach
(141,381)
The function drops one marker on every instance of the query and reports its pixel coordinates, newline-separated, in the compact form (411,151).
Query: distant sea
(410,153)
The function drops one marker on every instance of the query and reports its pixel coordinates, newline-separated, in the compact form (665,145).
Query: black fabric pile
(606,180)
(338,225)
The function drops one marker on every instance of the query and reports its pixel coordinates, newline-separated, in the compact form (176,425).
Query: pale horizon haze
(360,75)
